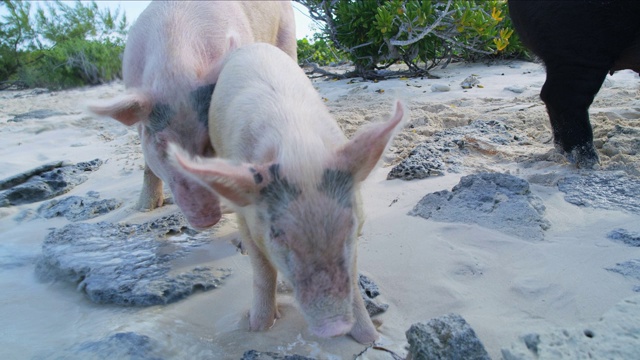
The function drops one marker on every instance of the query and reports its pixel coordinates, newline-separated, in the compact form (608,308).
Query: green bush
(320,51)
(375,33)
(61,47)
(76,62)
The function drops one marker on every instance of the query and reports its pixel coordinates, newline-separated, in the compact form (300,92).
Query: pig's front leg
(264,311)
(151,196)
(363,330)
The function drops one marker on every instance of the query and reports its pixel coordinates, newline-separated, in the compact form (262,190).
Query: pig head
(170,67)
(302,219)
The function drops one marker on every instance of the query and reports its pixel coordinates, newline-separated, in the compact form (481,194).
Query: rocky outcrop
(126,264)
(45,182)
(496,201)
(447,337)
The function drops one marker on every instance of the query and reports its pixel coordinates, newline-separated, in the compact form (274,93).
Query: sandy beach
(502,278)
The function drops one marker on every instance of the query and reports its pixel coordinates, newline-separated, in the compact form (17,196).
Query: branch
(395,42)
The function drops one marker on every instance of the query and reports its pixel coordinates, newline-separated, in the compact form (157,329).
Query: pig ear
(128,109)
(234,182)
(233,43)
(361,154)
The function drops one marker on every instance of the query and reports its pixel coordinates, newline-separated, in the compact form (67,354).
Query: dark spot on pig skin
(278,194)
(159,118)
(200,101)
(257,177)
(338,185)
(275,233)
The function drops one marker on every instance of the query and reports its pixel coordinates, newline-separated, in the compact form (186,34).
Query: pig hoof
(262,323)
(364,336)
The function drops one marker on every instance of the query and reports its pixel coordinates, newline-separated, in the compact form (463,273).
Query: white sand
(502,285)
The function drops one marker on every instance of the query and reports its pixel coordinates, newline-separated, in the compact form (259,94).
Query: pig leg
(568,92)
(264,311)
(363,330)
(151,196)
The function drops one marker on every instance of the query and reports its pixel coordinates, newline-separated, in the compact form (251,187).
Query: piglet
(293,179)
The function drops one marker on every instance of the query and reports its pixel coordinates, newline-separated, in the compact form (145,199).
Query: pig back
(263,98)
(175,42)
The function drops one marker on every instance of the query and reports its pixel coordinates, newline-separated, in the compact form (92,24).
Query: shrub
(375,33)
(61,47)
(320,51)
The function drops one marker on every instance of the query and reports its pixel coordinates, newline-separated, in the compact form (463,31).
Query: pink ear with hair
(361,154)
(234,182)
(128,109)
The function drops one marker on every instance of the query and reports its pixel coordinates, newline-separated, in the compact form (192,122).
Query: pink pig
(169,71)
(293,179)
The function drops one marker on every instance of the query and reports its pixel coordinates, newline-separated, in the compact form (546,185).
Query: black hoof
(585,156)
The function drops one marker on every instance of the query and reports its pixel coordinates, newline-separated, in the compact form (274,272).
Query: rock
(470,82)
(422,162)
(444,151)
(23,177)
(36,114)
(615,336)
(369,291)
(440,88)
(126,345)
(516,89)
(258,355)
(448,337)
(44,182)
(126,264)
(613,190)
(624,236)
(630,269)
(497,201)
(77,208)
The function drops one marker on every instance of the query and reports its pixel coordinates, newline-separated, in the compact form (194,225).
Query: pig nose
(332,327)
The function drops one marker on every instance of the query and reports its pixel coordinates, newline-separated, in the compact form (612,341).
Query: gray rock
(23,177)
(127,264)
(448,337)
(440,88)
(630,269)
(259,355)
(45,182)
(128,345)
(36,114)
(422,162)
(515,89)
(497,201)
(369,291)
(613,190)
(77,208)
(624,236)
(470,82)
(444,151)
(615,336)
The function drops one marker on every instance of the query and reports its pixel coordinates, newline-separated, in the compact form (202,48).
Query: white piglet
(293,179)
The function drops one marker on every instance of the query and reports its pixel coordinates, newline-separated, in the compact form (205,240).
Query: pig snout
(326,302)
(200,206)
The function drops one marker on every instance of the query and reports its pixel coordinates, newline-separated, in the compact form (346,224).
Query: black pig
(579,42)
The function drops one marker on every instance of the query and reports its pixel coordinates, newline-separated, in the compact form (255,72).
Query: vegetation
(60,46)
(319,51)
(421,33)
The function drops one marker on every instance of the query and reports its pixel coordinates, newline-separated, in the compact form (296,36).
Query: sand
(503,285)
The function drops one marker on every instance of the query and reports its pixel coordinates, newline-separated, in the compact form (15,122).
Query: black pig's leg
(568,92)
